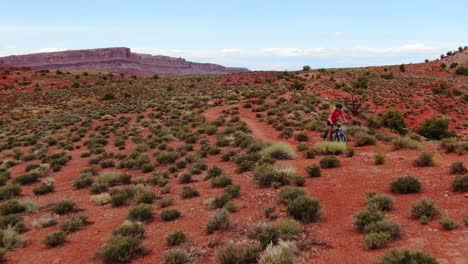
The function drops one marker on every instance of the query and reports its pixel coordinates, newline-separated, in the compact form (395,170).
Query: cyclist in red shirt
(335,115)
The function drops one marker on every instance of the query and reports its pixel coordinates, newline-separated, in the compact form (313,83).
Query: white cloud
(7,29)
(50,50)
(336,34)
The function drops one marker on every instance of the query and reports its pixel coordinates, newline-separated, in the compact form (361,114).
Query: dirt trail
(342,190)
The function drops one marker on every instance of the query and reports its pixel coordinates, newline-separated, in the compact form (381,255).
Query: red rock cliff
(118,60)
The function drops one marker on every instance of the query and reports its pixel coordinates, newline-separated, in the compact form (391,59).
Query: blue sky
(269,35)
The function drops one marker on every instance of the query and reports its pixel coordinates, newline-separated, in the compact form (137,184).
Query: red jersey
(335,115)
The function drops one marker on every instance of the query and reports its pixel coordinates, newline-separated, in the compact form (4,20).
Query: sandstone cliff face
(118,60)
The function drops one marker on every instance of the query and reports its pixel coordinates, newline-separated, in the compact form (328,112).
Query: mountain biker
(335,115)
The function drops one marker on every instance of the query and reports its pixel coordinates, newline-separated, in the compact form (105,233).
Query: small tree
(356,104)
(306,68)
(402,68)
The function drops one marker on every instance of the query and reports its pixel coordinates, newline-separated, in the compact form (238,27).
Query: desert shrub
(405,184)
(185,178)
(399,256)
(119,197)
(460,183)
(82,181)
(219,220)
(221,181)
(176,256)
(165,202)
(141,212)
(385,226)
(381,202)
(232,191)
(453,144)
(304,209)
(279,151)
(98,187)
(170,214)
(45,221)
(214,172)
(447,223)
(11,207)
(130,229)
(288,227)
(309,154)
(10,238)
(313,170)
(301,137)
(176,238)
(63,207)
(458,167)
(268,174)
(426,159)
(121,249)
(14,220)
(238,254)
(269,212)
(55,239)
(329,162)
(435,128)
(379,158)
(405,143)
(330,148)
(265,233)
(424,209)
(189,192)
(167,157)
(113,178)
(375,240)
(26,179)
(143,194)
(364,139)
(47,186)
(283,253)
(367,217)
(74,223)
(394,120)
(288,194)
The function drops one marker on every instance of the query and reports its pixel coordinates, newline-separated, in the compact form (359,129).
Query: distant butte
(116,60)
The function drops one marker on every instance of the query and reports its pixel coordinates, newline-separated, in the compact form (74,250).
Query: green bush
(379,158)
(73,224)
(170,214)
(304,209)
(189,192)
(121,249)
(426,159)
(218,221)
(54,239)
(364,139)
(11,207)
(238,254)
(405,143)
(232,191)
(447,223)
(265,233)
(141,212)
(221,181)
(309,154)
(394,120)
(381,202)
(288,227)
(63,207)
(176,256)
(176,238)
(458,167)
(130,229)
(406,184)
(185,178)
(279,151)
(375,240)
(330,147)
(400,256)
(367,217)
(386,226)
(268,174)
(460,183)
(424,209)
(313,171)
(288,194)
(435,128)
(329,162)
(283,253)
(9,191)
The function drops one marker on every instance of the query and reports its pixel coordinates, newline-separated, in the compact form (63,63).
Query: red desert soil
(342,194)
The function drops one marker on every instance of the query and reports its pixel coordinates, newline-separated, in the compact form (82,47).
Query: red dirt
(342,194)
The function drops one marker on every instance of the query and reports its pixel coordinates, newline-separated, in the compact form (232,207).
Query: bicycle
(337,134)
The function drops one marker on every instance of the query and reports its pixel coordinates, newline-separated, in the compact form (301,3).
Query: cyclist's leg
(330,131)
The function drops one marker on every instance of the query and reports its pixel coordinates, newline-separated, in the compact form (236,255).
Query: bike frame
(337,134)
